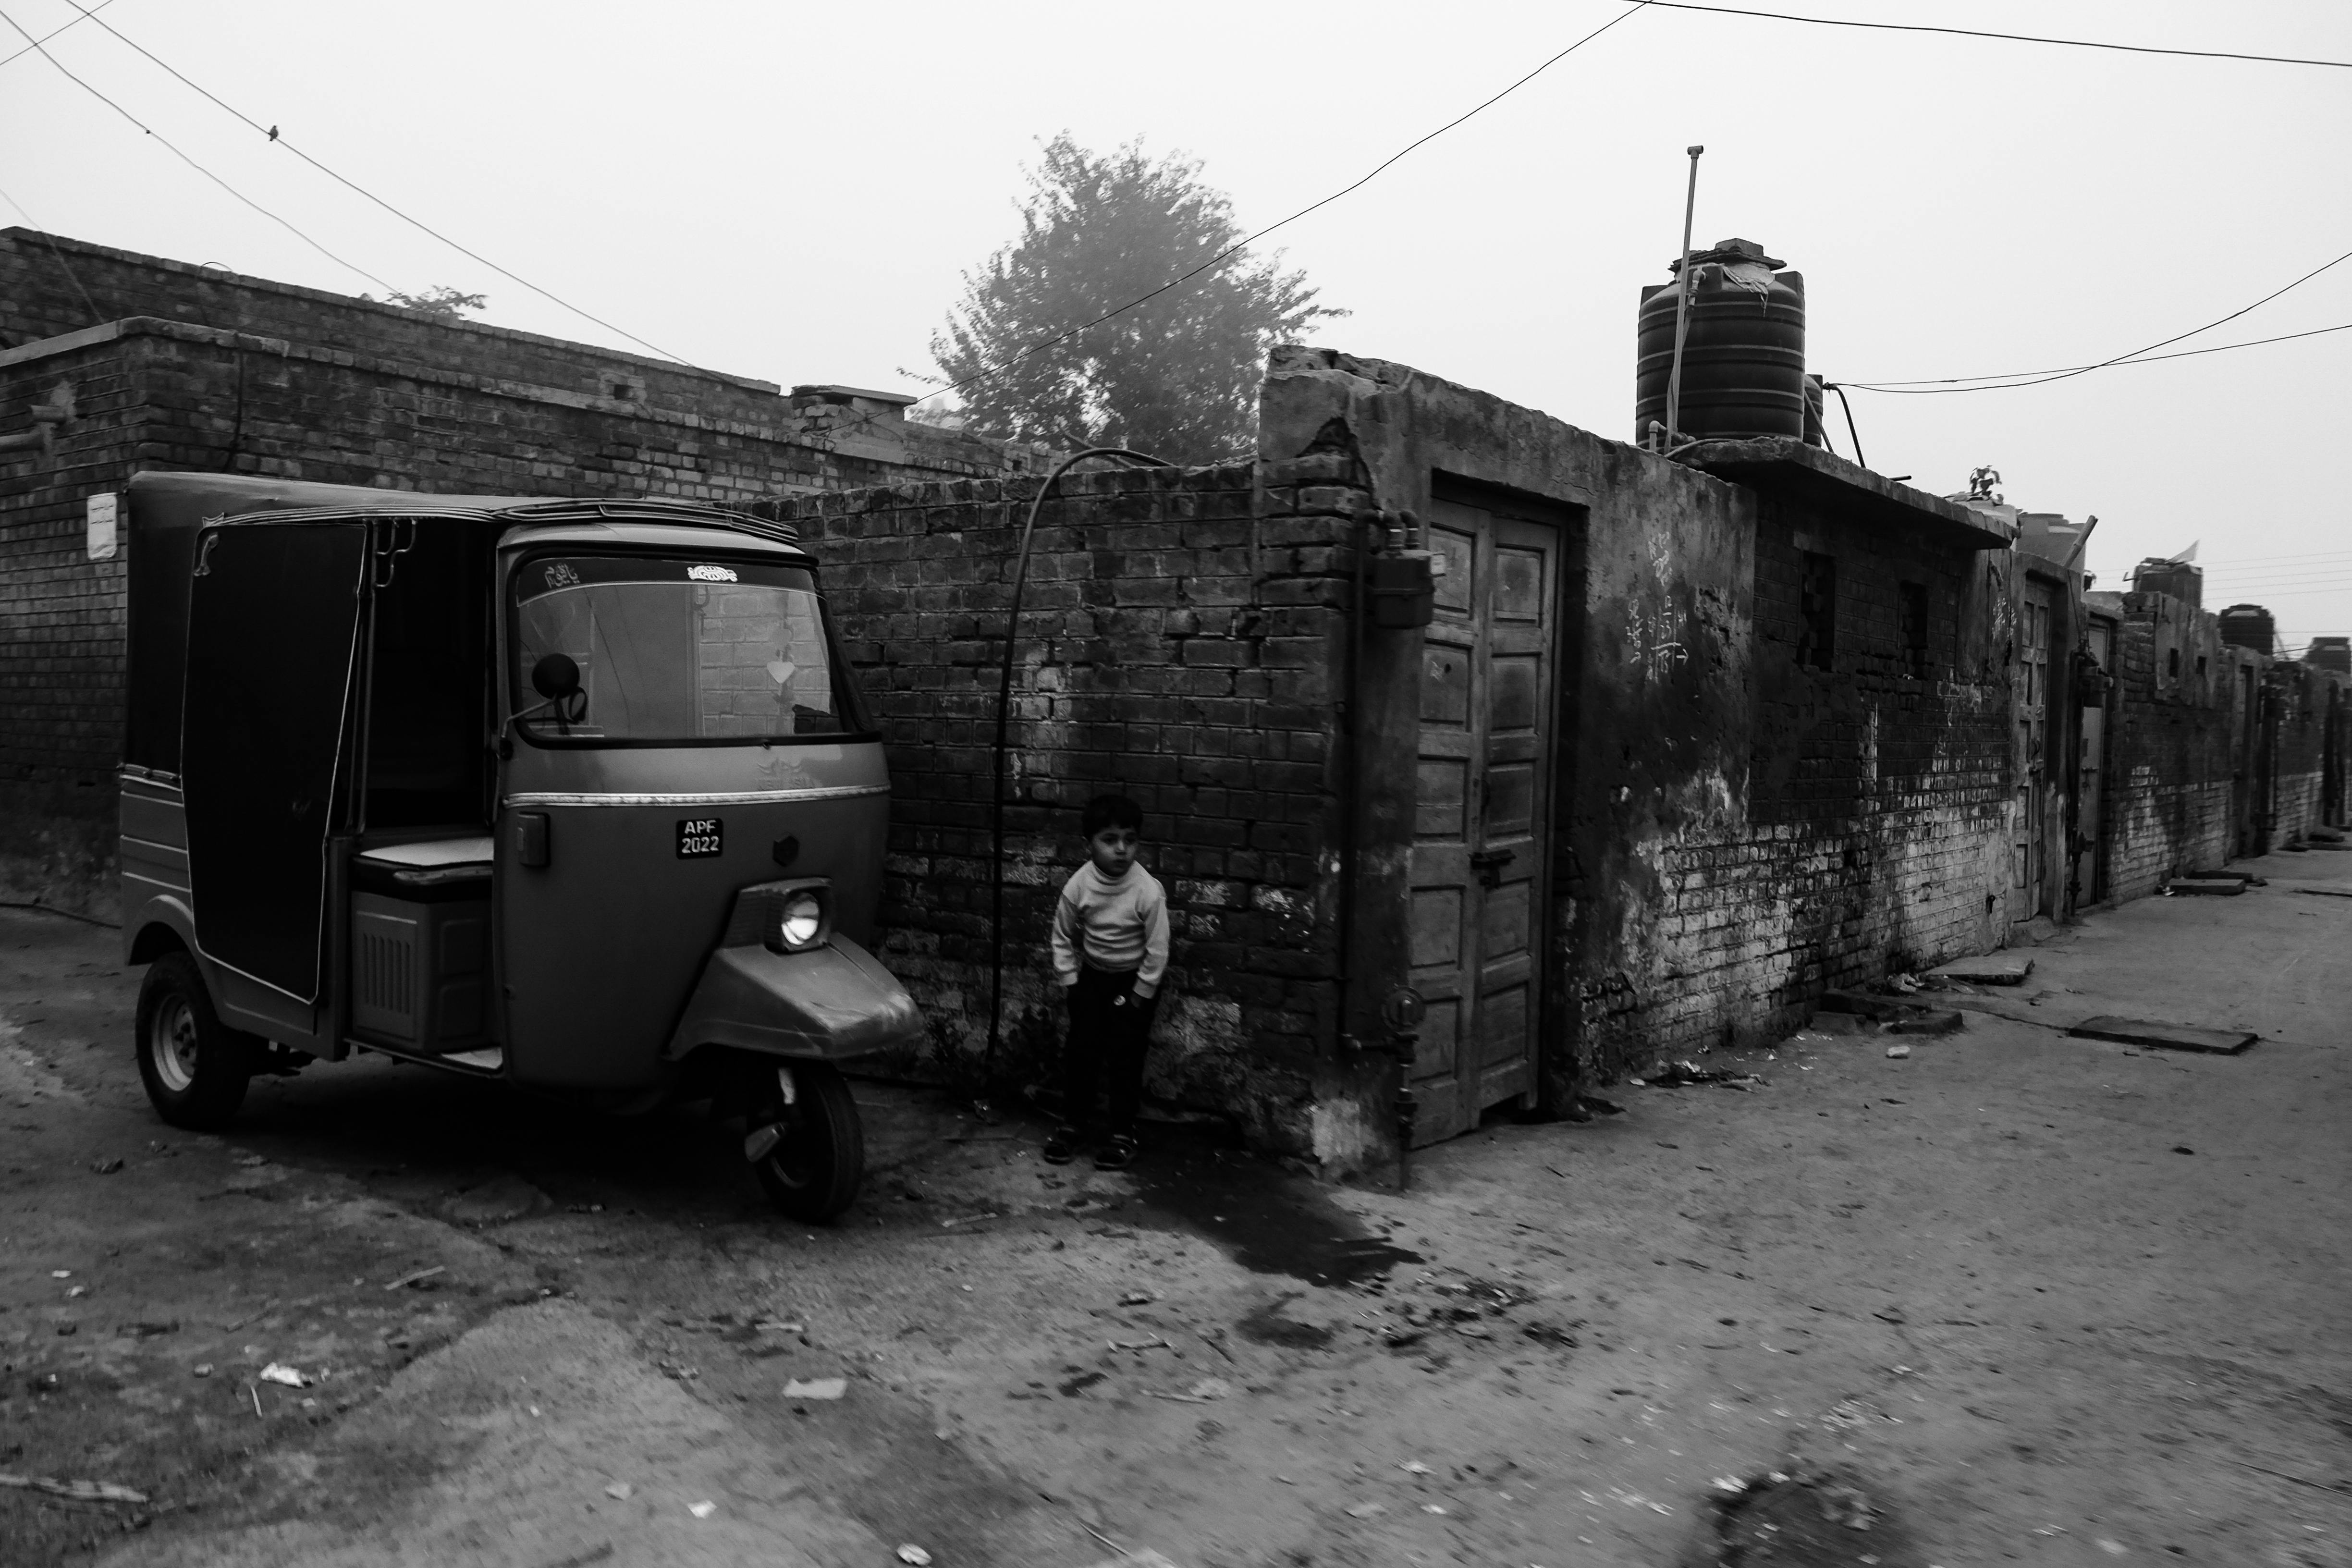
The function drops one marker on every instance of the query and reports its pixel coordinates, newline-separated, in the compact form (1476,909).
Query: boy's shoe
(1117,1153)
(1062,1143)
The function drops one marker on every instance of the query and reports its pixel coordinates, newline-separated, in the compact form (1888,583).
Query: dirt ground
(2016,1297)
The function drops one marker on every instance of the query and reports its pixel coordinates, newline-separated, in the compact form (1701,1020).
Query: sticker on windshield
(697,837)
(712,574)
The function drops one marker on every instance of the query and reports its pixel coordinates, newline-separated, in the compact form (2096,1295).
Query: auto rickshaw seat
(430,871)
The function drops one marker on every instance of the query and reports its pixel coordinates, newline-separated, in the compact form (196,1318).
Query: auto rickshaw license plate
(699,837)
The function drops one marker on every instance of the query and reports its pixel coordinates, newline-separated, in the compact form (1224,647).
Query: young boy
(1110,949)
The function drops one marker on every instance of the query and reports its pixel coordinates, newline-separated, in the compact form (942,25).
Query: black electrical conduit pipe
(1003,719)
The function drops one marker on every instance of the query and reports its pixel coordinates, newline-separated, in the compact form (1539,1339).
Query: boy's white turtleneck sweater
(1114,923)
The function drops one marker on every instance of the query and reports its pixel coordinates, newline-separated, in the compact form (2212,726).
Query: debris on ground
(108,1167)
(619,1491)
(1802,1515)
(406,1279)
(291,1377)
(817,1388)
(1898,1052)
(78,1491)
(914,1556)
(1685,1072)
(702,1510)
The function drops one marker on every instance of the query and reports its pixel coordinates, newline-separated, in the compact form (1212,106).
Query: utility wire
(1899,389)
(2009,37)
(1241,244)
(53,31)
(191,163)
(271,132)
(2009,377)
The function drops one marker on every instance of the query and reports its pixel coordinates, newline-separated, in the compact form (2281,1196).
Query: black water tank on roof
(2330,653)
(1744,355)
(2249,626)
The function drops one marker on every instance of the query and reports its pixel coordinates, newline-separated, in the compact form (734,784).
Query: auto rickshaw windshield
(672,651)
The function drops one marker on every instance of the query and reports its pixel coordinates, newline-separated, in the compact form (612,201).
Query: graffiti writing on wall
(1650,646)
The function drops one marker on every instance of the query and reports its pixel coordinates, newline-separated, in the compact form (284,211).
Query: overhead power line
(1900,389)
(53,31)
(2008,38)
(1240,245)
(89,12)
(191,163)
(2139,356)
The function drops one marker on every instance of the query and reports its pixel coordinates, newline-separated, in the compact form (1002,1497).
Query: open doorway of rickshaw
(425,767)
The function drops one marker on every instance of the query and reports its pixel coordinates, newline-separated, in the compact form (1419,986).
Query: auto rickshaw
(576,794)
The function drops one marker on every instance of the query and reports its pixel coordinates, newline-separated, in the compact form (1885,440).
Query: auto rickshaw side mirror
(555,677)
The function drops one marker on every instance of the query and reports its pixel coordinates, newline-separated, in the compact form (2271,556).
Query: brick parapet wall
(1180,637)
(39,301)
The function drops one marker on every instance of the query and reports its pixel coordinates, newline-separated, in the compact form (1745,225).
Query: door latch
(1489,863)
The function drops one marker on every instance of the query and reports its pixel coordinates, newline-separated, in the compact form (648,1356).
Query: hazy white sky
(791,191)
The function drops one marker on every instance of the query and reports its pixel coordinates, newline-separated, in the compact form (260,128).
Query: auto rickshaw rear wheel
(195,1068)
(812,1164)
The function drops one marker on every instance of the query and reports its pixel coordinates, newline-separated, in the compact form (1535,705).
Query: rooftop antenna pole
(1682,306)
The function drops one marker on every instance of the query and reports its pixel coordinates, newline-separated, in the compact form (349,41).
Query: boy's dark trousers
(1110,1029)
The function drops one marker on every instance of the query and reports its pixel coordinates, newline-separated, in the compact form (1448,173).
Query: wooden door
(1482,844)
(2034,745)
(2090,778)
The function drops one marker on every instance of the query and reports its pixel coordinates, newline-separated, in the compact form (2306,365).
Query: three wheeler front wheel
(803,1139)
(195,1068)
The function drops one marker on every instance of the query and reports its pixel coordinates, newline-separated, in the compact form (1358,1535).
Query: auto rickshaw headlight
(800,922)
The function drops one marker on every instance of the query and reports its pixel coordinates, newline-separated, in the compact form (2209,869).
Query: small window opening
(1817,607)
(2172,663)
(1911,611)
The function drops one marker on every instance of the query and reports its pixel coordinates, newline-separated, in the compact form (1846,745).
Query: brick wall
(37,300)
(2169,747)
(61,631)
(1179,634)
(195,369)
(1877,802)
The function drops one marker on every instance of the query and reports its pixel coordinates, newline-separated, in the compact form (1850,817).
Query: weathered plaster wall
(1734,834)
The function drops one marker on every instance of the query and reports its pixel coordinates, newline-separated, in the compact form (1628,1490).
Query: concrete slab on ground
(2169,1036)
(1993,969)
(2205,887)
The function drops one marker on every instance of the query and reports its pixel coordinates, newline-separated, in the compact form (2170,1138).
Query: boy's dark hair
(1112,811)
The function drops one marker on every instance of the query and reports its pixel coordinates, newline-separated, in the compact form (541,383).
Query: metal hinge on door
(1489,863)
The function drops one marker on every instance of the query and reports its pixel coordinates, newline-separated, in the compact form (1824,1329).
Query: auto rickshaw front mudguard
(831,1003)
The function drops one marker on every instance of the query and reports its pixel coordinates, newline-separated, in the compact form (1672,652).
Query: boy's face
(1113,851)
